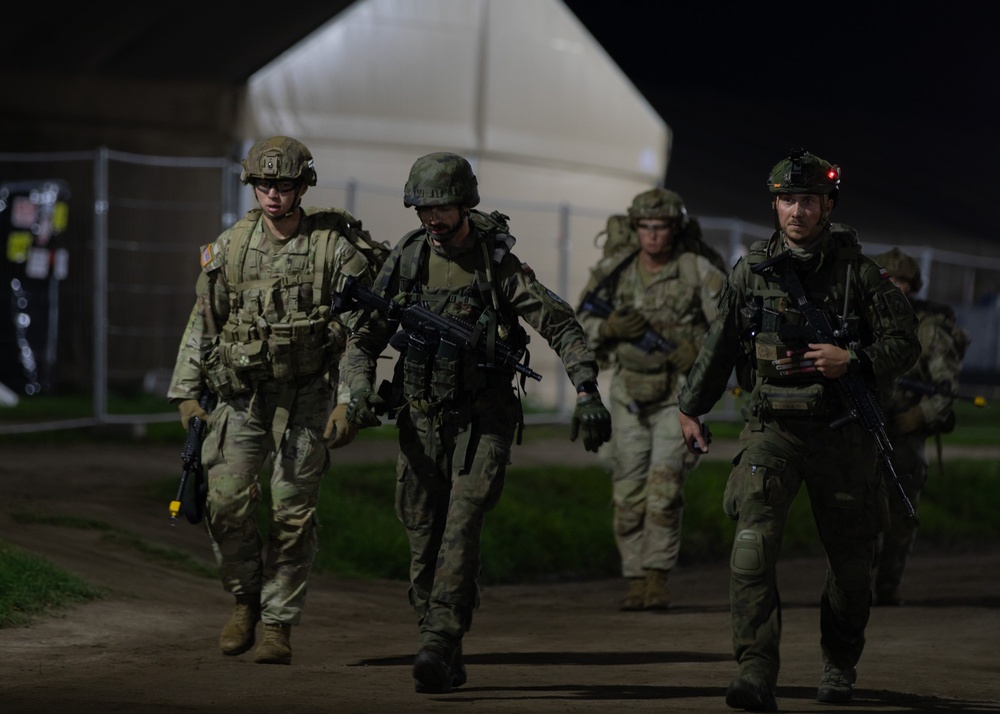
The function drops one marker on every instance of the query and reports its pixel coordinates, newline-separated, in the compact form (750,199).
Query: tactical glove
(362,411)
(683,356)
(189,408)
(625,323)
(594,419)
(910,420)
(338,431)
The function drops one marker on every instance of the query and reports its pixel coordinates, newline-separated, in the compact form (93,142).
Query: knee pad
(748,553)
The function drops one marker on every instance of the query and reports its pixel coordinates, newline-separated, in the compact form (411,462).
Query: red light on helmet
(833,173)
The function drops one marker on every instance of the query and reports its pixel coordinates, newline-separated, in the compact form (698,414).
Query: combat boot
(431,673)
(657,597)
(238,634)
(635,599)
(275,647)
(837,685)
(751,693)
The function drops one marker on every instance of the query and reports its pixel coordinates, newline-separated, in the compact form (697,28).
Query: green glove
(190,409)
(593,418)
(339,432)
(364,407)
(683,356)
(625,323)
(910,420)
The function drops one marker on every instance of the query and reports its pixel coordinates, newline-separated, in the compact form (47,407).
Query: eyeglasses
(264,186)
(657,227)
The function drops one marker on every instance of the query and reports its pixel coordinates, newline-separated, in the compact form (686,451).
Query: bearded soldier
(263,338)
(795,433)
(659,285)
(459,412)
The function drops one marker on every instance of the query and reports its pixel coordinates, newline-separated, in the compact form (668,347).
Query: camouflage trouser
(849,506)
(648,462)
(909,460)
(238,448)
(450,473)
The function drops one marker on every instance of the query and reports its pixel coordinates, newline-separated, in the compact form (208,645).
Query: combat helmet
(658,203)
(802,172)
(441,179)
(279,158)
(902,267)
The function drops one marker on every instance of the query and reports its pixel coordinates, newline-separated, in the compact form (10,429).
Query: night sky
(906,102)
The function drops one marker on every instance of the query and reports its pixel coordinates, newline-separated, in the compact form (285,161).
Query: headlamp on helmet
(802,172)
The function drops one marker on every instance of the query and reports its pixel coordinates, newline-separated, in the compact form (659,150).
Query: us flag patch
(206,255)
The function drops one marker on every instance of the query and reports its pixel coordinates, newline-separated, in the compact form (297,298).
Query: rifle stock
(428,327)
(193,488)
(648,341)
(863,407)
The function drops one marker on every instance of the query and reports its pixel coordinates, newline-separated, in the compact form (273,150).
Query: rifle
(193,487)
(942,388)
(862,405)
(425,327)
(647,342)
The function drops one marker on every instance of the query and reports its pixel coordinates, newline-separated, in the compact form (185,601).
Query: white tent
(558,136)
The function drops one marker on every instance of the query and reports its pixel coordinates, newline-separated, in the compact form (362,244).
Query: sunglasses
(285,186)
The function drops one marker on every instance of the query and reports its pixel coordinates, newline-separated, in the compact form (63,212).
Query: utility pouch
(250,360)
(793,400)
(444,373)
(648,388)
(222,380)
(416,369)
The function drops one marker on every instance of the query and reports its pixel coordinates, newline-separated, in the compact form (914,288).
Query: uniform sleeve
(210,310)
(550,316)
(349,262)
(894,348)
(709,376)
(940,362)
(368,337)
(712,281)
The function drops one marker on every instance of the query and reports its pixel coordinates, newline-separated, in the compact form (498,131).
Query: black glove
(593,417)
(625,323)
(361,412)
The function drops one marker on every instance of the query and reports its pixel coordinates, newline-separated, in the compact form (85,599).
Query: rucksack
(620,238)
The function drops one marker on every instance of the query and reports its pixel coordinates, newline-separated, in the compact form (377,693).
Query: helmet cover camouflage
(802,172)
(902,267)
(441,179)
(658,203)
(279,158)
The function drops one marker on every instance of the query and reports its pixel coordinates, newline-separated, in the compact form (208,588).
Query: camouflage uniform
(458,417)
(788,441)
(263,337)
(647,457)
(940,361)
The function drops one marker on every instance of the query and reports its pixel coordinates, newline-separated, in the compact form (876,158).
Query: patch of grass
(31,586)
(120,537)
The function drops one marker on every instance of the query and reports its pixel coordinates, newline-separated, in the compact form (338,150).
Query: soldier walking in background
(655,286)
(809,271)
(262,336)
(913,416)
(458,410)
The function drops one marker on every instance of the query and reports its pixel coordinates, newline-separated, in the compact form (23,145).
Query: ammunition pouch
(796,400)
(247,352)
(650,387)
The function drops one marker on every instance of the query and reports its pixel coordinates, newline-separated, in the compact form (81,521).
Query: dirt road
(151,645)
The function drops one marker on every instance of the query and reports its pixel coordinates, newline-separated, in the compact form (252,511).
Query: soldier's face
(443,223)
(277,198)
(802,216)
(655,235)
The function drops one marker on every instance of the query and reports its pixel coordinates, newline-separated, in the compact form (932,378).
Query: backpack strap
(236,254)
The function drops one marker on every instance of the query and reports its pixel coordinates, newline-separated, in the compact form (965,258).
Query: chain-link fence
(114,288)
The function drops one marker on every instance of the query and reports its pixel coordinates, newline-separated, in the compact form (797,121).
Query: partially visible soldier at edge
(271,275)
(912,418)
(458,416)
(788,439)
(658,285)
